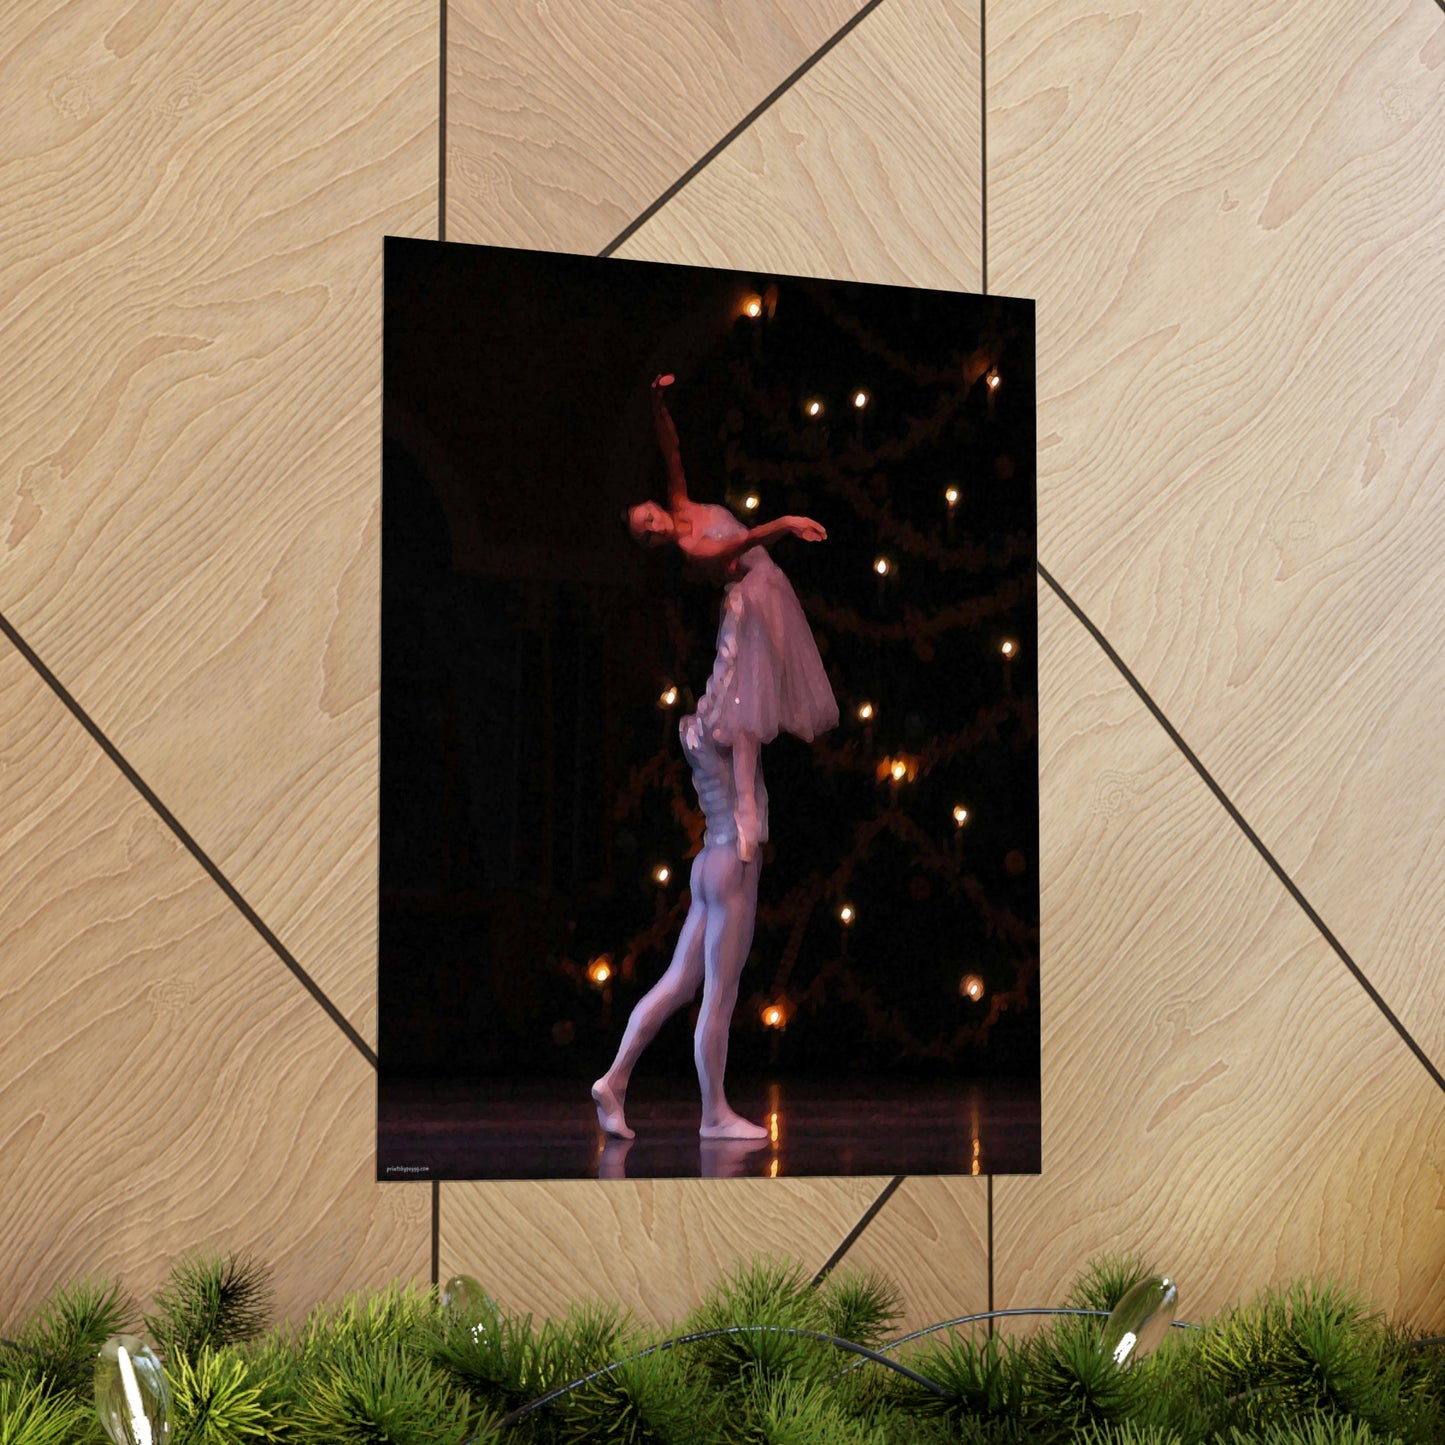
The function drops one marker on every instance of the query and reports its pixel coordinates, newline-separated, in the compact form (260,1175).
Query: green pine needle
(860,1306)
(33,1415)
(58,1343)
(210,1300)
(1105,1280)
(215,1400)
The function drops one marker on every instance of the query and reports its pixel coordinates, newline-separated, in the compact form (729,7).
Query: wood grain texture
(1218,1094)
(867,169)
(655,1246)
(190,265)
(1231,220)
(166,1084)
(931,1239)
(565,121)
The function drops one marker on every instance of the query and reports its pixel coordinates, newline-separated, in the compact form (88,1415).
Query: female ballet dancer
(766,678)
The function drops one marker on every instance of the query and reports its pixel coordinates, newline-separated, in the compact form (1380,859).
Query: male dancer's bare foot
(725,1124)
(609,1110)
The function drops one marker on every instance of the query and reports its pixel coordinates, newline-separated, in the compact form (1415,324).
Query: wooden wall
(1230,217)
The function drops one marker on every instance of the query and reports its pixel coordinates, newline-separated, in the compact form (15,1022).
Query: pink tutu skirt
(767,676)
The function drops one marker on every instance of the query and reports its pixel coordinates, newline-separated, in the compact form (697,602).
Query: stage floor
(429,1129)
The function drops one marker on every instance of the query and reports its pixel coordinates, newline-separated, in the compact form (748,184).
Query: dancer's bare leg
(674,990)
(730,891)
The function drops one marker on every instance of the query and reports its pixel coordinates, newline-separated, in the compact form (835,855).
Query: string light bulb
(882,566)
(951,496)
(899,770)
(846,914)
(753,307)
(750,502)
(960,814)
(865,711)
(668,698)
(813,407)
(600,969)
(971,987)
(661,873)
(773,1016)
(1009,647)
(860,399)
(993,380)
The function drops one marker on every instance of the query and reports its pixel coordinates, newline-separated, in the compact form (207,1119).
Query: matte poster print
(709,767)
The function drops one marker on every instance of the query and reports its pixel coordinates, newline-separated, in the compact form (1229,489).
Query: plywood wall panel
(1218,1094)
(1230,218)
(655,1246)
(565,121)
(190,278)
(931,1240)
(165,1084)
(867,169)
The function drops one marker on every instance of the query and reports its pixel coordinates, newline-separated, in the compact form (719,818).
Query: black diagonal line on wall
(1291,887)
(864,1220)
(190,844)
(763,105)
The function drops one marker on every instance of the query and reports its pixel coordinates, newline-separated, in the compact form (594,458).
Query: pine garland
(766,1359)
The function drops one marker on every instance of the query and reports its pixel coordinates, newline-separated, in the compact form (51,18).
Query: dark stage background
(531,779)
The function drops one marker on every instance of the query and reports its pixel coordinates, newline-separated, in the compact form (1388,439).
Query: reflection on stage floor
(429,1129)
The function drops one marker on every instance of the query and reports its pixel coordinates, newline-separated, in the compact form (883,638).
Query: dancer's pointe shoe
(609,1111)
(729,1125)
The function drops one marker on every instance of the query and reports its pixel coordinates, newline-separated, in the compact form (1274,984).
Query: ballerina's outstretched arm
(677,498)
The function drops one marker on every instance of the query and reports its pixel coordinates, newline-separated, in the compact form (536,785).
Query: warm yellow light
(860,399)
(846,914)
(751,501)
(753,307)
(881,566)
(773,1167)
(773,1130)
(960,814)
(993,380)
(865,711)
(814,407)
(1009,647)
(661,873)
(773,1017)
(668,698)
(951,495)
(971,986)
(600,969)
(899,771)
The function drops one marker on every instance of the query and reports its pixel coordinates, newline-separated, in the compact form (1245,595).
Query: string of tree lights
(897,924)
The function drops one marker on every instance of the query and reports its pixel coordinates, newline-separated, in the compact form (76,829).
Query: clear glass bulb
(470,1309)
(131,1393)
(1140,1320)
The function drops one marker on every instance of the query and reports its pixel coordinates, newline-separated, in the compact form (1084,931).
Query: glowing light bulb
(881,566)
(661,873)
(860,399)
(668,698)
(814,407)
(131,1393)
(1009,647)
(951,496)
(971,987)
(960,814)
(899,771)
(865,711)
(600,969)
(846,914)
(993,380)
(773,1016)
(753,307)
(751,501)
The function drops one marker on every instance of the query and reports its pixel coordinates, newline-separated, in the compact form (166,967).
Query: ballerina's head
(651,524)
